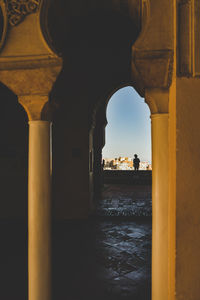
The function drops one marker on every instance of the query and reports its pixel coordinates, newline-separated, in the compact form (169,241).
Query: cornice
(27,62)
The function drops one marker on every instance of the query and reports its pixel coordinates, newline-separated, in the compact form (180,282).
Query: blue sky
(129,126)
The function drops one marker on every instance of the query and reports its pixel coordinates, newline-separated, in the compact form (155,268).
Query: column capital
(37,107)
(154,67)
(157,100)
(160,116)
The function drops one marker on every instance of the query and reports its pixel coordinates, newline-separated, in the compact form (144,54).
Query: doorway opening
(123,195)
(125,133)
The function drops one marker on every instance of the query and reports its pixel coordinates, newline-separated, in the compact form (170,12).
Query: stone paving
(125,201)
(101,258)
(124,256)
(109,256)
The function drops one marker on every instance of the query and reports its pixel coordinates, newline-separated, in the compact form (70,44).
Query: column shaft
(160,206)
(39,211)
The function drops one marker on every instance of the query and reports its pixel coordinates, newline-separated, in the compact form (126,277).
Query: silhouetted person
(103,164)
(136,162)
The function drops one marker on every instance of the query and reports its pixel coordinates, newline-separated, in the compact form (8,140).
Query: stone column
(39,199)
(158,100)
(29,67)
(39,211)
(153,70)
(160,206)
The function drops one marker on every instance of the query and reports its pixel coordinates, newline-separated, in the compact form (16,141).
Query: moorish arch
(167,78)
(100,122)
(157,100)
(29,66)
(103,45)
(96,59)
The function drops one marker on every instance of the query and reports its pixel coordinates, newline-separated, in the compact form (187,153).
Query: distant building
(124,163)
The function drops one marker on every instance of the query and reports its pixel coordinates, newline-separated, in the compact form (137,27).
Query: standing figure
(103,164)
(136,162)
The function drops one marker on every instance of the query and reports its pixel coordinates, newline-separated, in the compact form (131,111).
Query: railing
(129,177)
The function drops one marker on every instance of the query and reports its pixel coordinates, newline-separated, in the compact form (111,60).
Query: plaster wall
(71,176)
(187,189)
(13,204)
(158,35)
(13,157)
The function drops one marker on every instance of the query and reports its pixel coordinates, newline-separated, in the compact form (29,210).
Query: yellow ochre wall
(188,189)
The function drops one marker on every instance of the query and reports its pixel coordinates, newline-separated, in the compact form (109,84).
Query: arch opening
(122,130)
(122,195)
(128,130)
(99,48)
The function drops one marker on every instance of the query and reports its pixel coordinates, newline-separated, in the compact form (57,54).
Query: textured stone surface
(99,258)
(102,259)
(95,259)
(125,201)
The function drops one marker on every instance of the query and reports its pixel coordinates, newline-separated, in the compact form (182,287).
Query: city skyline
(124,163)
(129,127)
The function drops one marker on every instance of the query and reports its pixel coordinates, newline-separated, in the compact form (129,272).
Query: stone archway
(157,100)
(100,123)
(152,71)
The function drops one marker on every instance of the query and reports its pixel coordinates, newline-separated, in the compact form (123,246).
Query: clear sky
(129,126)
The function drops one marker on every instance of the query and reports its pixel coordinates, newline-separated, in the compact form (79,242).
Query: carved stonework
(3,23)
(154,67)
(18,9)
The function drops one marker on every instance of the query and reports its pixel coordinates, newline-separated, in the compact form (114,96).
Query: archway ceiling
(95,39)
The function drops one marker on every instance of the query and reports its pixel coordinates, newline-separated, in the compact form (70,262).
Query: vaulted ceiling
(94,38)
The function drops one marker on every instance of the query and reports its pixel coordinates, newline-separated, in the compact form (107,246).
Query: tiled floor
(103,260)
(125,201)
(109,256)
(98,259)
